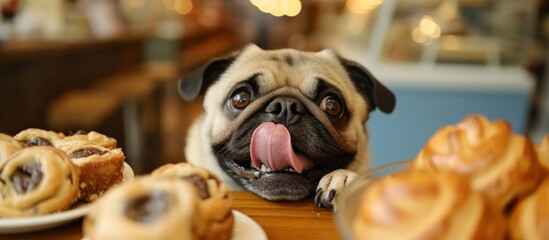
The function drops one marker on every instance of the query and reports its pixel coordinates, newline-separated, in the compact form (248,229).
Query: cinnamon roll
(36,181)
(38,137)
(147,208)
(415,204)
(8,146)
(530,218)
(216,202)
(100,167)
(500,164)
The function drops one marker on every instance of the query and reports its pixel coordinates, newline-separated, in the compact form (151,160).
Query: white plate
(29,224)
(246,228)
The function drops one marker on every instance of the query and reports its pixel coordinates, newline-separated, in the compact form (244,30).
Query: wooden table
(280,220)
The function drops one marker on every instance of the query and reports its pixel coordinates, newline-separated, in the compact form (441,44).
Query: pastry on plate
(530,218)
(92,137)
(100,167)
(500,164)
(38,137)
(147,208)
(215,201)
(8,146)
(37,180)
(415,204)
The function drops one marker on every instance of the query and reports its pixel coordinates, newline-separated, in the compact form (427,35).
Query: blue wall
(419,113)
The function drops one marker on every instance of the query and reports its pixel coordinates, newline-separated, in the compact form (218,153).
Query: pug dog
(284,124)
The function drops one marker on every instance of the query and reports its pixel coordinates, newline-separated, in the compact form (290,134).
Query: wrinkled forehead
(287,67)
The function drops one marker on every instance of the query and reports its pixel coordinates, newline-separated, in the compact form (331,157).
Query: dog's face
(277,121)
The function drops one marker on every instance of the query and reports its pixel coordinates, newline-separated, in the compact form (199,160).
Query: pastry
(38,137)
(416,204)
(500,164)
(37,180)
(92,137)
(530,218)
(543,151)
(8,145)
(147,208)
(100,167)
(216,202)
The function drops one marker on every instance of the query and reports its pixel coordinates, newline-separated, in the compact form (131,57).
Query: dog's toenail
(331,195)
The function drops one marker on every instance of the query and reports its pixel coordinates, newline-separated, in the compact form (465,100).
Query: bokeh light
(426,31)
(278,8)
(362,6)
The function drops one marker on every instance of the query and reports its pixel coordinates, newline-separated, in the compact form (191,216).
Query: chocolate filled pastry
(415,204)
(216,202)
(147,208)
(91,137)
(530,218)
(38,137)
(8,146)
(100,167)
(500,164)
(37,180)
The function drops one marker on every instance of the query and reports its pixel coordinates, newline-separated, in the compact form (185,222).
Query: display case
(444,59)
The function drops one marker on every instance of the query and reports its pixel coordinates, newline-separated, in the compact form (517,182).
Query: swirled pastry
(216,202)
(100,167)
(415,204)
(8,146)
(147,208)
(37,180)
(530,218)
(500,164)
(91,137)
(543,151)
(38,137)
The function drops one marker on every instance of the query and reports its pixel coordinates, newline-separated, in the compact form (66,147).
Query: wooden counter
(280,220)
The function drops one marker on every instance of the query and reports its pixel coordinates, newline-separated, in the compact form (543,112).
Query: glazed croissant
(498,163)
(415,204)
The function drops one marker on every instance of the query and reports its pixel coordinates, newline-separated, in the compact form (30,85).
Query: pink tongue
(271,145)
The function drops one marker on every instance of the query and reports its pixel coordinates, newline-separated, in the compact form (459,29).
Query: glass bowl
(350,198)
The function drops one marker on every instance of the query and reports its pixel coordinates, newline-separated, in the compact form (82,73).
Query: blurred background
(112,65)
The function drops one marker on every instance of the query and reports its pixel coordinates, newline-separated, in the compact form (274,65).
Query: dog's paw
(330,185)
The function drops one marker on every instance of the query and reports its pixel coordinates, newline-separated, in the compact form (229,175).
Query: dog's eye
(240,99)
(331,106)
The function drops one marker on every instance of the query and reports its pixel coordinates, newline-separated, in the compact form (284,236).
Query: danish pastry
(147,208)
(37,180)
(500,164)
(415,204)
(100,167)
(38,137)
(8,145)
(216,202)
(91,137)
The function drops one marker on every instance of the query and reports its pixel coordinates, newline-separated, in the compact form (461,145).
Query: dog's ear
(196,82)
(375,93)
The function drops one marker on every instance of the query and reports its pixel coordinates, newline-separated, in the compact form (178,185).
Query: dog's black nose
(285,110)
